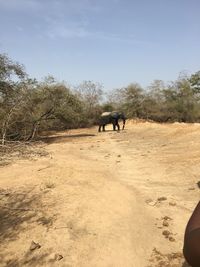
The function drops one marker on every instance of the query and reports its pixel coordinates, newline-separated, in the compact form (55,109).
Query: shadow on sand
(20,212)
(62,138)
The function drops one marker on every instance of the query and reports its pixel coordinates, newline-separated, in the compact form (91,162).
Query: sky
(113,42)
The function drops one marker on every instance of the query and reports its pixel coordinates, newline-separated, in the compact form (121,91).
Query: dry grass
(12,151)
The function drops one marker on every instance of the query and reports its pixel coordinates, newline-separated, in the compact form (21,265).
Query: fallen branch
(4,207)
(44,168)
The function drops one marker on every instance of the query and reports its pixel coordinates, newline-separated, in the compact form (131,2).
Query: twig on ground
(4,207)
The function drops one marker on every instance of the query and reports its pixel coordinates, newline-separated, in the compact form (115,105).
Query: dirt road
(102,199)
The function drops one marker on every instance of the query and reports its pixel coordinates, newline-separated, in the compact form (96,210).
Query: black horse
(113,118)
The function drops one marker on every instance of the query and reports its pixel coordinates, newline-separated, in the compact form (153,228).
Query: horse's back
(105,114)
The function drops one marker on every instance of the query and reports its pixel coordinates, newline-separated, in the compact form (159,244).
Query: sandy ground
(102,199)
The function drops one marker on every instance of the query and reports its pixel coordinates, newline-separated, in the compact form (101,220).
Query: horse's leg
(104,127)
(118,127)
(116,123)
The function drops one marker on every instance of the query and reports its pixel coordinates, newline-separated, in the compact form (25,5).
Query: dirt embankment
(108,199)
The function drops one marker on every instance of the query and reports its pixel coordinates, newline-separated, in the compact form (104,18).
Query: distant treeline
(29,107)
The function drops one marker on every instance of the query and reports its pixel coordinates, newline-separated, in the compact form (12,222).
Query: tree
(153,105)
(181,103)
(132,98)
(51,105)
(115,98)
(11,75)
(195,82)
(90,94)
(28,107)
(186,102)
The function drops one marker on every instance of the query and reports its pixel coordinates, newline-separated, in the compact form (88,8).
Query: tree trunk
(33,132)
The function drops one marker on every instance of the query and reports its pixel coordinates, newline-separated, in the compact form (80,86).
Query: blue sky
(114,42)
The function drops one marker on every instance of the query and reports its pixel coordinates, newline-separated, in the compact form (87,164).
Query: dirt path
(102,199)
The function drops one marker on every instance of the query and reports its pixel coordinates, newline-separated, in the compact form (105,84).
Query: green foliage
(11,94)
(90,94)
(29,107)
(195,82)
(178,101)
(108,107)
(9,69)
(131,99)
